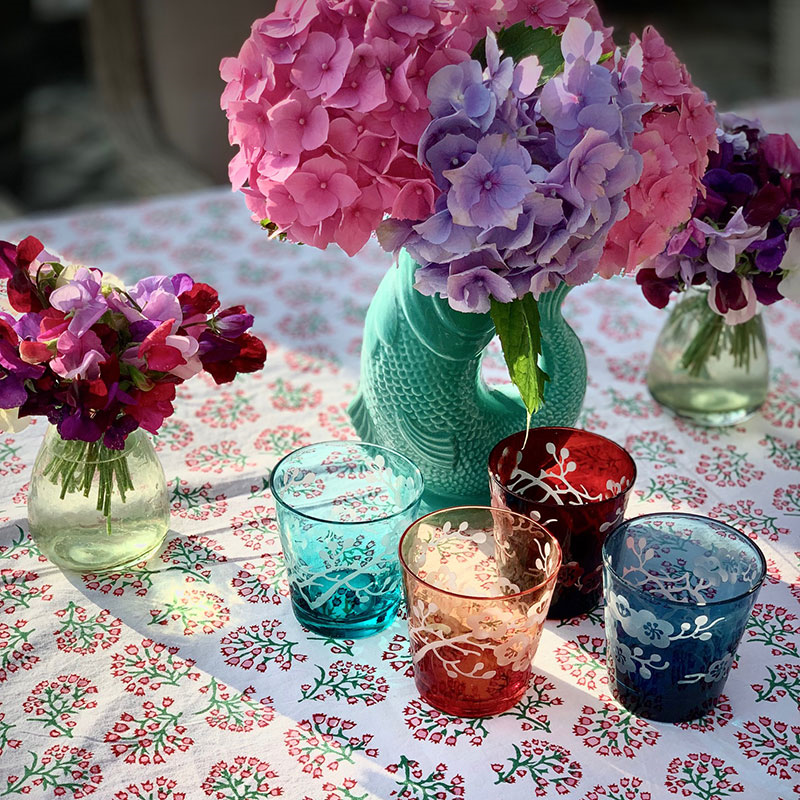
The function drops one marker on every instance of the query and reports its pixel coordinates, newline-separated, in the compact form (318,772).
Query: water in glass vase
(92,509)
(707,371)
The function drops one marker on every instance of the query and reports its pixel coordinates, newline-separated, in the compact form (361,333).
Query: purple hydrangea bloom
(533,183)
(460,87)
(475,278)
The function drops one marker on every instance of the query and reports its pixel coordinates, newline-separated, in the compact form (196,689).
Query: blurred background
(111,100)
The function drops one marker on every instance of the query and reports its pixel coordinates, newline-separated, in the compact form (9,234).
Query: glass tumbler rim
(628,456)
(416,473)
(486,598)
(741,537)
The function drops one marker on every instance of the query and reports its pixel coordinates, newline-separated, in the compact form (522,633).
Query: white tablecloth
(191,678)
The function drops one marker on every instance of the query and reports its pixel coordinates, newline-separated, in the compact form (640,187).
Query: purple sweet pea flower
(117,433)
(769,252)
(27,327)
(12,390)
(231,326)
(82,300)
(79,425)
(157,298)
(181,283)
(475,278)
(725,245)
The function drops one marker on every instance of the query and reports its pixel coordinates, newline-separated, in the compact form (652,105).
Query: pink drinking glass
(575,483)
(478,583)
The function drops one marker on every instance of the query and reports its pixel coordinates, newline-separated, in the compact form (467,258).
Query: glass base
(90,553)
(681,705)
(713,407)
(346,628)
(472,708)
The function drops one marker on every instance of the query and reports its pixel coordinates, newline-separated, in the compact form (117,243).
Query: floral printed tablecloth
(189,677)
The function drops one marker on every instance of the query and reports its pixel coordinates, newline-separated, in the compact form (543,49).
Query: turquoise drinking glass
(341,509)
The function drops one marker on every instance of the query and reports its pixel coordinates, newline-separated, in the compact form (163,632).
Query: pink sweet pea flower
(320,187)
(163,350)
(781,153)
(298,123)
(79,356)
(322,63)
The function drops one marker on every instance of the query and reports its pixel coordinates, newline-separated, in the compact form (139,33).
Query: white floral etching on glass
(696,582)
(649,630)
(494,636)
(321,569)
(471,561)
(555,484)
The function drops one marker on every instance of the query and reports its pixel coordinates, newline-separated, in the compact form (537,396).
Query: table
(190,677)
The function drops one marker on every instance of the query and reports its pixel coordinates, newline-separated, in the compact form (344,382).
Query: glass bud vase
(705,370)
(92,509)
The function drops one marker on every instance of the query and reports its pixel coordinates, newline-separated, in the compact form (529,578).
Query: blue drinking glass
(679,590)
(341,509)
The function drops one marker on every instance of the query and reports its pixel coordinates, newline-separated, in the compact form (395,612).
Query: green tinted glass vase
(421,391)
(707,371)
(92,509)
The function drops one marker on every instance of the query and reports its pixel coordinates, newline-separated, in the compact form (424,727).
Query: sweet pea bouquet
(741,244)
(99,360)
(501,143)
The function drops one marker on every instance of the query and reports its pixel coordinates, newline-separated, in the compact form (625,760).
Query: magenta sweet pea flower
(78,356)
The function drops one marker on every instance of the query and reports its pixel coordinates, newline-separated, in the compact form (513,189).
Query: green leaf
(517,325)
(520,41)
(273,229)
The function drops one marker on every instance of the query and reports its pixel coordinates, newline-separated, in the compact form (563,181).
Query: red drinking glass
(478,582)
(575,483)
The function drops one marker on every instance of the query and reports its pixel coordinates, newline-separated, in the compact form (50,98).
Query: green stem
(715,337)
(75,468)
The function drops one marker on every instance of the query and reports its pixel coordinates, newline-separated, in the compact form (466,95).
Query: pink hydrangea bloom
(346,82)
(678,133)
